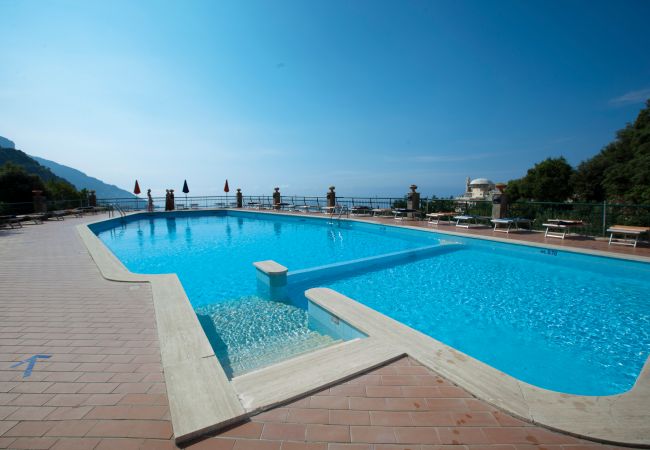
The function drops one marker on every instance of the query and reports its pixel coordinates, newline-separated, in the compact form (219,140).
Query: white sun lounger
(436,218)
(630,234)
(505,225)
(381,212)
(558,228)
(466,221)
(405,213)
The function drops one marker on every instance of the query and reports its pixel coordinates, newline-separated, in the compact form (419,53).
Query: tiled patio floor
(572,241)
(103,387)
(399,406)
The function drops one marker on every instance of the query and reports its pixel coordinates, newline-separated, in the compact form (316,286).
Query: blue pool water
(213,256)
(558,320)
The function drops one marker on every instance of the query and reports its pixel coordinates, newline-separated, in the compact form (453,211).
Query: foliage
(23,160)
(549,180)
(60,190)
(16,184)
(440,205)
(620,173)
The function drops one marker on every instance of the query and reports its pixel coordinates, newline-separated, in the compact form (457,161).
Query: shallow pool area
(559,320)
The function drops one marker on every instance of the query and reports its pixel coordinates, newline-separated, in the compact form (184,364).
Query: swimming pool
(558,320)
(212,254)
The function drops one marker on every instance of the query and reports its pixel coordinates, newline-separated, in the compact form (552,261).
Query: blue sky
(369,96)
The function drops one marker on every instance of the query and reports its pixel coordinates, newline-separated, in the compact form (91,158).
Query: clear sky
(370,96)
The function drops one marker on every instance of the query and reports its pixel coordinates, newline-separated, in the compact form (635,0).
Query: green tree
(548,181)
(60,190)
(16,185)
(621,171)
(588,179)
(513,190)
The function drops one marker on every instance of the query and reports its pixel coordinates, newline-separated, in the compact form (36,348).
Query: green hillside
(82,181)
(30,165)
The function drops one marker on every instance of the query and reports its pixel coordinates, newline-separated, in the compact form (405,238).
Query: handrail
(115,207)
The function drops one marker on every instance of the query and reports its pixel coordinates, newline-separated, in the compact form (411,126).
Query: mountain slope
(7,143)
(80,180)
(20,158)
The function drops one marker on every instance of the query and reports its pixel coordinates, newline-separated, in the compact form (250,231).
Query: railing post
(413,201)
(331,197)
(604,216)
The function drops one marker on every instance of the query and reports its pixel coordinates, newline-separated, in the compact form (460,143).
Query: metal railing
(222,201)
(597,216)
(21,208)
(111,208)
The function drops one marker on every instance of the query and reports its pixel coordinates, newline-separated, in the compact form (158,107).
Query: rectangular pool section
(558,320)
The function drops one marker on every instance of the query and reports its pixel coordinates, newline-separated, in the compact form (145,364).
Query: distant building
(478,189)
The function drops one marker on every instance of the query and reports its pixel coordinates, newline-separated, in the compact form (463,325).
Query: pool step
(251,332)
(279,350)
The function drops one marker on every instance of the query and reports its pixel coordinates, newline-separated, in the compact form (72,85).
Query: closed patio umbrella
(226,189)
(186,191)
(136,191)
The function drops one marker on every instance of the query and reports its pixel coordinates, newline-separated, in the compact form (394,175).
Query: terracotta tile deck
(103,387)
(573,241)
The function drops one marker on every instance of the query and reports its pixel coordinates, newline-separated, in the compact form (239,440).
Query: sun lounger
(405,213)
(58,215)
(558,228)
(630,234)
(287,206)
(360,211)
(436,217)
(466,221)
(381,211)
(505,225)
(194,205)
(11,221)
(37,218)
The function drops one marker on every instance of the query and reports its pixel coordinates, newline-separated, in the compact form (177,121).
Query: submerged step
(280,350)
(252,332)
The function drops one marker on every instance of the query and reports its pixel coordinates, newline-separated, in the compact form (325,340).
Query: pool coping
(194,376)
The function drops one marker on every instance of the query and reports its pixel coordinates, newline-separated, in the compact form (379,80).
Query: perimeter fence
(597,216)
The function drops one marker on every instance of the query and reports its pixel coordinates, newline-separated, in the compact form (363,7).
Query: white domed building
(478,189)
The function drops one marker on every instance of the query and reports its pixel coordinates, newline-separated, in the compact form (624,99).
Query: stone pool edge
(193,375)
(619,419)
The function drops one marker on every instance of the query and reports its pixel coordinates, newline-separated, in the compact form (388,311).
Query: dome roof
(481,181)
